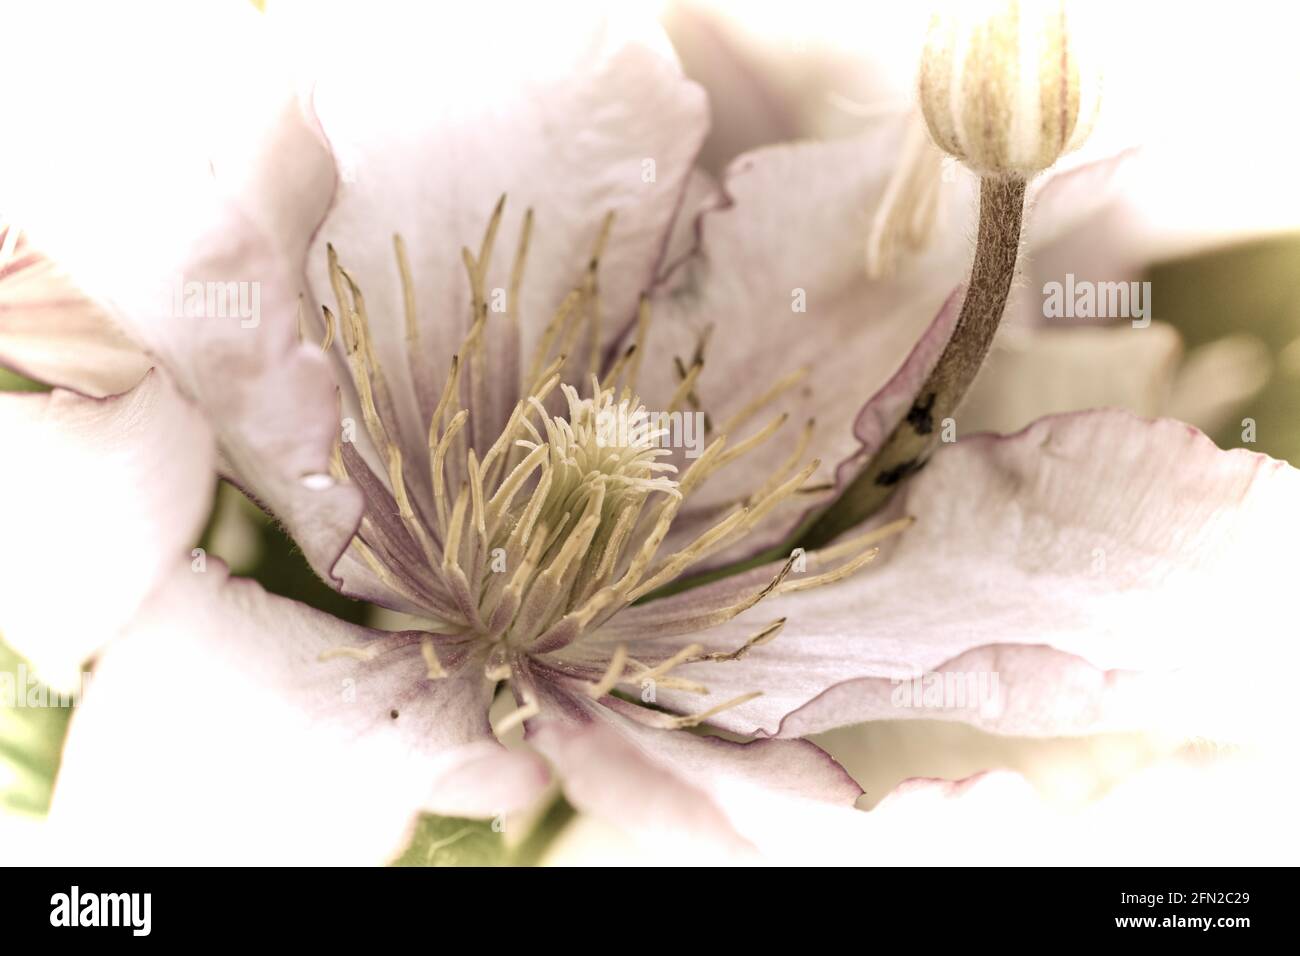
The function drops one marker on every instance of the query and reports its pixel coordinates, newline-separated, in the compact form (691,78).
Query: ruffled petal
(671,788)
(1082,575)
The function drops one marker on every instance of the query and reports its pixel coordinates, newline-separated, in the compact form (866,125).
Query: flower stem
(1002,203)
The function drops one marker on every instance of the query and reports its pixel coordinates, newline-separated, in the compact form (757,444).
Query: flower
(469,436)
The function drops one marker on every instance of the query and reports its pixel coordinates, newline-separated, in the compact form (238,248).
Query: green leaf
(13,382)
(452,841)
(31,737)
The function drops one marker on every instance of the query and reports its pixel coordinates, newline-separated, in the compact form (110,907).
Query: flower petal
(588,115)
(673,788)
(100,497)
(196,235)
(1087,568)
(779,284)
(244,746)
(52,332)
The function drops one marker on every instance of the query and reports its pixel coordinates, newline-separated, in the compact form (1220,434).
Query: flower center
(522,542)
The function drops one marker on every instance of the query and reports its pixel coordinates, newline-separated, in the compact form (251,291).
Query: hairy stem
(1002,202)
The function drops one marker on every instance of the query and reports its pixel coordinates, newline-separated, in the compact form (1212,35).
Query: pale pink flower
(379,405)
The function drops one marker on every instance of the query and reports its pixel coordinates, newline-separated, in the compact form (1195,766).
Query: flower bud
(1003,86)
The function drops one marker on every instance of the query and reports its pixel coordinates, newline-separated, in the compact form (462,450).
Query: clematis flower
(424,400)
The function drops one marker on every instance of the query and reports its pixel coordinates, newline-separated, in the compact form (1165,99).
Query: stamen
(451,553)
(340,294)
(791,462)
(638,345)
(617,665)
(490,236)
(406,512)
(436,468)
(510,721)
(751,408)
(698,549)
(681,657)
(517,272)
(616,370)
(854,545)
(445,401)
(905,215)
(701,343)
(753,441)
(593,294)
(694,720)
(380,571)
(476,498)
(764,636)
(564,504)
(338,471)
(408,295)
(829,577)
(500,502)
(685,387)
(558,321)
(497,665)
(433,667)
(392,641)
(368,653)
(328,341)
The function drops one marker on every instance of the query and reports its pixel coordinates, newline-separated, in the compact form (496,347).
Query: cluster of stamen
(527,542)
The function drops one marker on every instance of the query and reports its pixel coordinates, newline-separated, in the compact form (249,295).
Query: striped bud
(1003,87)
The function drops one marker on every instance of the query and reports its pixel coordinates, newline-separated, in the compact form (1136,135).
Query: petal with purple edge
(51,332)
(671,786)
(1094,563)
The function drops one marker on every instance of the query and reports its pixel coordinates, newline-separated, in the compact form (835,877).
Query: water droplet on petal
(317,482)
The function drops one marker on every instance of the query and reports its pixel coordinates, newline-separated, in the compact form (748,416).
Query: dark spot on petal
(919,417)
(392,714)
(892,476)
